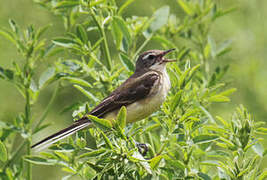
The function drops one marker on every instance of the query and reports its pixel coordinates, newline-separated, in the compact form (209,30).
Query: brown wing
(135,88)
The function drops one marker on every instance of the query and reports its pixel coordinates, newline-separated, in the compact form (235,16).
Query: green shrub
(95,54)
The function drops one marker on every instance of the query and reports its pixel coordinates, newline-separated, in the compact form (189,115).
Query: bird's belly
(143,108)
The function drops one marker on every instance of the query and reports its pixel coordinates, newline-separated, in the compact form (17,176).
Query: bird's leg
(142,148)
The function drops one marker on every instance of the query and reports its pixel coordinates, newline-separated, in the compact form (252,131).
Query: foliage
(184,139)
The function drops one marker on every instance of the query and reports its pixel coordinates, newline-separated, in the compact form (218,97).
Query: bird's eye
(151,56)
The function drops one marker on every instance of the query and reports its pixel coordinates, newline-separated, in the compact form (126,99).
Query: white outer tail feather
(40,146)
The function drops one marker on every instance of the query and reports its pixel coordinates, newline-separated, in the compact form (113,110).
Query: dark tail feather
(78,125)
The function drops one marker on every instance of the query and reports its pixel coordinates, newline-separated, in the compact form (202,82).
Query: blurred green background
(246,27)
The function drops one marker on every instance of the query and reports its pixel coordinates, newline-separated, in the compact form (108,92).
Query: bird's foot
(142,148)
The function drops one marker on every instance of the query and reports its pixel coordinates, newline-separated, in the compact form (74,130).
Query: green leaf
(176,100)
(212,44)
(228,92)
(107,141)
(64,42)
(62,156)
(41,31)
(41,127)
(182,53)
(81,33)
(77,81)
(116,34)
(263,175)
(223,48)
(6,74)
(3,152)
(186,7)
(86,93)
(154,162)
(219,98)
(126,62)
(261,130)
(121,118)
(92,153)
(163,41)
(40,160)
(101,123)
(46,77)
(123,28)
(14,26)
(205,138)
(203,176)
(258,149)
(67,4)
(126,4)
(160,18)
(8,36)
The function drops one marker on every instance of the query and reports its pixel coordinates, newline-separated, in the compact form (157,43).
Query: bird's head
(153,59)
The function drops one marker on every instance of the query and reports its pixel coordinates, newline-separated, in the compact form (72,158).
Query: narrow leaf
(176,100)
(205,138)
(107,141)
(64,42)
(124,29)
(127,62)
(77,81)
(3,152)
(186,7)
(81,32)
(41,161)
(121,118)
(101,123)
(92,153)
(86,93)
(8,36)
(154,162)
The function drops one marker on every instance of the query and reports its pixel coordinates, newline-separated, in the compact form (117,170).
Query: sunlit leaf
(107,141)
(40,160)
(121,118)
(154,162)
(101,123)
(186,7)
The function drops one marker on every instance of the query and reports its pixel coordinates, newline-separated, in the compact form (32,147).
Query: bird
(142,94)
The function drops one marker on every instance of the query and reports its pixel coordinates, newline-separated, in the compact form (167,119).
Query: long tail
(78,125)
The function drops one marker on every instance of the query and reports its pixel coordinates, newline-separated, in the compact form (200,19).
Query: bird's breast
(145,107)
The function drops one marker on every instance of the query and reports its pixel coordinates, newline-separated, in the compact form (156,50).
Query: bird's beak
(166,52)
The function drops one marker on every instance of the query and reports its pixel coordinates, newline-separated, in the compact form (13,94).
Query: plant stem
(14,155)
(103,34)
(28,126)
(47,109)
